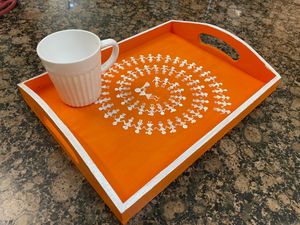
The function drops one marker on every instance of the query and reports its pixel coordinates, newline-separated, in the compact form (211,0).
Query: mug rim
(71,62)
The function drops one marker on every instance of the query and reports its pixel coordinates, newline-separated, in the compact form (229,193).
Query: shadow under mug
(72,59)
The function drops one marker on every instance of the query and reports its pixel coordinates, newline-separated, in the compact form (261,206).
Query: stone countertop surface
(251,176)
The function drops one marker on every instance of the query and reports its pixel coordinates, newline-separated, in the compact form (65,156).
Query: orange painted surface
(129,160)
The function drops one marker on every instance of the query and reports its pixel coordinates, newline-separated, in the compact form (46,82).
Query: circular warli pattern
(149,93)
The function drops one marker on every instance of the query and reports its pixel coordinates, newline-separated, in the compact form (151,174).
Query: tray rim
(102,181)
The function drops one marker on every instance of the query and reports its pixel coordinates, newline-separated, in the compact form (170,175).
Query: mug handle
(115,53)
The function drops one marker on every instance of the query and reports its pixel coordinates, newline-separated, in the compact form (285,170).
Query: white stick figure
(142,92)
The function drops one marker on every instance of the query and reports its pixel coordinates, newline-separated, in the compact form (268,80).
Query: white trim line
(78,147)
(123,206)
(236,38)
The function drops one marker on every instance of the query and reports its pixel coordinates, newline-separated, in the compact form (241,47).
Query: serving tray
(166,101)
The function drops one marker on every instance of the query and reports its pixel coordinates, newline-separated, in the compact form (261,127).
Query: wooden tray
(163,104)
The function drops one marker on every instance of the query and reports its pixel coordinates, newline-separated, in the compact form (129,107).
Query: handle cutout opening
(219,44)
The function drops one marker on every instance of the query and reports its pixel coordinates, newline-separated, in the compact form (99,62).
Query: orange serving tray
(163,104)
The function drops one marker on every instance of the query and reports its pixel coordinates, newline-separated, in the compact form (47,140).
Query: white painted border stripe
(78,147)
(123,206)
(238,39)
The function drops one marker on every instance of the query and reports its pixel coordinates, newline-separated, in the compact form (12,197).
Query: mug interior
(68,46)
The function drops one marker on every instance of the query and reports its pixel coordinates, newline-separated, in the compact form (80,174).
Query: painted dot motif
(155,93)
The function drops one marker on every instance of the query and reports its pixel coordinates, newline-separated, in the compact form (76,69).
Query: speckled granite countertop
(251,176)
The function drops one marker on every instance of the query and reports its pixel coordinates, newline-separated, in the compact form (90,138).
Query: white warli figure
(123,94)
(189,118)
(196,100)
(122,82)
(113,70)
(104,93)
(108,75)
(215,84)
(198,87)
(125,78)
(171,71)
(160,109)
(165,82)
(222,103)
(142,92)
(128,124)
(198,69)
(150,58)
(138,127)
(179,90)
(203,101)
(119,66)
(119,119)
(126,62)
(175,102)
(164,69)
(142,58)
(170,108)
(176,60)
(200,107)
(149,128)
(191,66)
(167,59)
(179,97)
(161,128)
(158,58)
(132,74)
(193,82)
(173,85)
(127,100)
(139,71)
(222,110)
(121,89)
(171,126)
(181,123)
(181,73)
(187,78)
(156,81)
(203,94)
(223,97)
(156,69)
(219,90)
(209,79)
(204,74)
(102,100)
(106,106)
(147,69)
(111,113)
(106,81)
(151,111)
(132,106)
(195,113)
(141,109)
(132,59)
(183,63)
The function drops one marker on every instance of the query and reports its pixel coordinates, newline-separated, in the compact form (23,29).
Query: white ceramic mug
(73,61)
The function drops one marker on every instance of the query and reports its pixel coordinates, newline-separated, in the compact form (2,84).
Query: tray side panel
(70,151)
(248,60)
